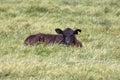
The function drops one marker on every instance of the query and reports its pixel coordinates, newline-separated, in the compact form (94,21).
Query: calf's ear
(77,31)
(59,31)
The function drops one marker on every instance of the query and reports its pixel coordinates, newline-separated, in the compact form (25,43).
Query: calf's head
(68,35)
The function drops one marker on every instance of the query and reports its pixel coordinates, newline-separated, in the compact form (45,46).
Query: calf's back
(46,38)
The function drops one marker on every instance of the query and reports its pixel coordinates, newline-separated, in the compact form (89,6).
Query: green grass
(99,59)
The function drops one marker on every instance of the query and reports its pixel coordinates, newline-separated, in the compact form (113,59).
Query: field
(98,59)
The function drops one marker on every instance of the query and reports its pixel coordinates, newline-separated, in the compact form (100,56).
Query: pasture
(98,59)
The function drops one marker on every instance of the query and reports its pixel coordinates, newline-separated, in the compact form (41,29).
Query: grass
(99,59)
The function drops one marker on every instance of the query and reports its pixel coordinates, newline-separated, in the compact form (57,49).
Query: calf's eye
(71,35)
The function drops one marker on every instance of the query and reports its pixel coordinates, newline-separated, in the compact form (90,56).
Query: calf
(66,36)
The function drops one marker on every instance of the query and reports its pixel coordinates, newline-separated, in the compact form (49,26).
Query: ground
(98,59)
